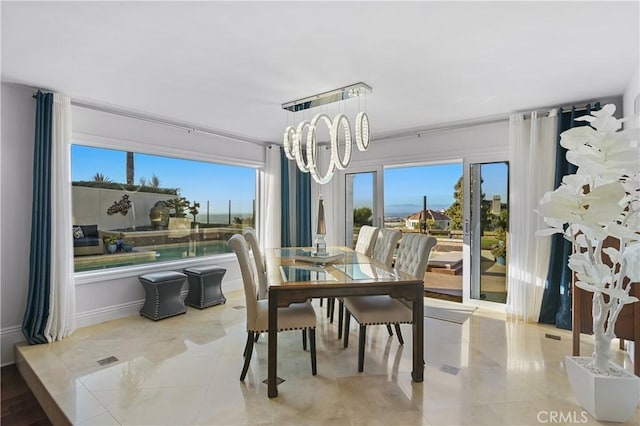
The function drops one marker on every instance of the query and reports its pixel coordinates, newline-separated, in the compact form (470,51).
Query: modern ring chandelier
(300,142)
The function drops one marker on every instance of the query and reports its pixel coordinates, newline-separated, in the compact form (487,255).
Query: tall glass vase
(319,243)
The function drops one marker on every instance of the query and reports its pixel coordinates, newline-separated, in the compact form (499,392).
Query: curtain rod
(190,128)
(565,108)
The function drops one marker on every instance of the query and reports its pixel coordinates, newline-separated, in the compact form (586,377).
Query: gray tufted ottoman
(205,286)
(162,294)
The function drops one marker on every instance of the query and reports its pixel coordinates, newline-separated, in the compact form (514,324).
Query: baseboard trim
(9,336)
(108,313)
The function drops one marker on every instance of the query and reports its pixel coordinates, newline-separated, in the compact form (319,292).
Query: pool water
(162,254)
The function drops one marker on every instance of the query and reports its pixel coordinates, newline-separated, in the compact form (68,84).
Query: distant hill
(409,209)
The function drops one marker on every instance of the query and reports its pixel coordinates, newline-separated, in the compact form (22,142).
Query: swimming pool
(151,254)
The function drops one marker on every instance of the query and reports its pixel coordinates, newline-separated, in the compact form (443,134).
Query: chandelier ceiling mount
(300,142)
(336,95)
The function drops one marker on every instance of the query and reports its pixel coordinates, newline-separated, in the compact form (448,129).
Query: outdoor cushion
(86,242)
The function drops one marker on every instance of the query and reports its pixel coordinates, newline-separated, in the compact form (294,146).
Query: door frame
(490,157)
(378,197)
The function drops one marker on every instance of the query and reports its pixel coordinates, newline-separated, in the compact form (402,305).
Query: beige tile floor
(185,370)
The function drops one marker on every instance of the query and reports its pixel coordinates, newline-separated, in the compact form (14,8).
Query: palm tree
(155,181)
(130,168)
(99,177)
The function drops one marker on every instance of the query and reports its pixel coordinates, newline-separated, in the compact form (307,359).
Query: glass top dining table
(294,275)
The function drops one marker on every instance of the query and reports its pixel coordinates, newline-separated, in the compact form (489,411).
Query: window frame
(83,139)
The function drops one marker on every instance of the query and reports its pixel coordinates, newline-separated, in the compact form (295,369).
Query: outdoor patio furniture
(163,297)
(87,240)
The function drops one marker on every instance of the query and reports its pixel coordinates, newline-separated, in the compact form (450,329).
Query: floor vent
(449,369)
(278,381)
(238,307)
(552,336)
(108,360)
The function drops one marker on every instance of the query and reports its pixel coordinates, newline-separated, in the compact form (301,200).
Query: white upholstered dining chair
(367,237)
(366,241)
(297,316)
(413,256)
(385,247)
(258,260)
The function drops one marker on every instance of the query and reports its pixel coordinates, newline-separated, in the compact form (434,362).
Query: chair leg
(340,318)
(321,299)
(248,350)
(347,320)
(399,333)
(304,339)
(312,344)
(328,307)
(361,344)
(332,304)
(257,337)
(389,330)
(246,346)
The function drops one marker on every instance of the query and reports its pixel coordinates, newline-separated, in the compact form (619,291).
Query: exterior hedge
(121,186)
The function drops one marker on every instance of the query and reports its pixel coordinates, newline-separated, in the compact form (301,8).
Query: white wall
(89,206)
(18,118)
(437,146)
(91,127)
(631,96)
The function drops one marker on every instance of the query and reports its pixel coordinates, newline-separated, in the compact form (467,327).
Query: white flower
(600,149)
(597,275)
(600,202)
(631,257)
(619,294)
(601,205)
(603,119)
(623,232)
(610,158)
(569,204)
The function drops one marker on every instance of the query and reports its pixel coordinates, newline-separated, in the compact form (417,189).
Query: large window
(131,208)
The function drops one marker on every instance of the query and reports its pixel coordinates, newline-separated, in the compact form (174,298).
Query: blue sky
(404,187)
(201,181)
(198,181)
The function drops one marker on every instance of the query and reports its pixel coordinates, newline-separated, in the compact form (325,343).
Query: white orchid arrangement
(601,202)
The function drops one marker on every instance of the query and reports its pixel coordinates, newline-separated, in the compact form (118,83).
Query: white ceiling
(228,66)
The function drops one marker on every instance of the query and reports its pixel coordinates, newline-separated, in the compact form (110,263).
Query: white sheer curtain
(62,301)
(270,207)
(532,147)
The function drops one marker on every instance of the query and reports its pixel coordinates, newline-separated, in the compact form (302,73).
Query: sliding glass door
(363,202)
(486,230)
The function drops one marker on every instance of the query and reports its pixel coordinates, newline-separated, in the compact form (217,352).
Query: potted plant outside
(110,244)
(127,245)
(119,242)
(601,202)
(193,211)
(499,251)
